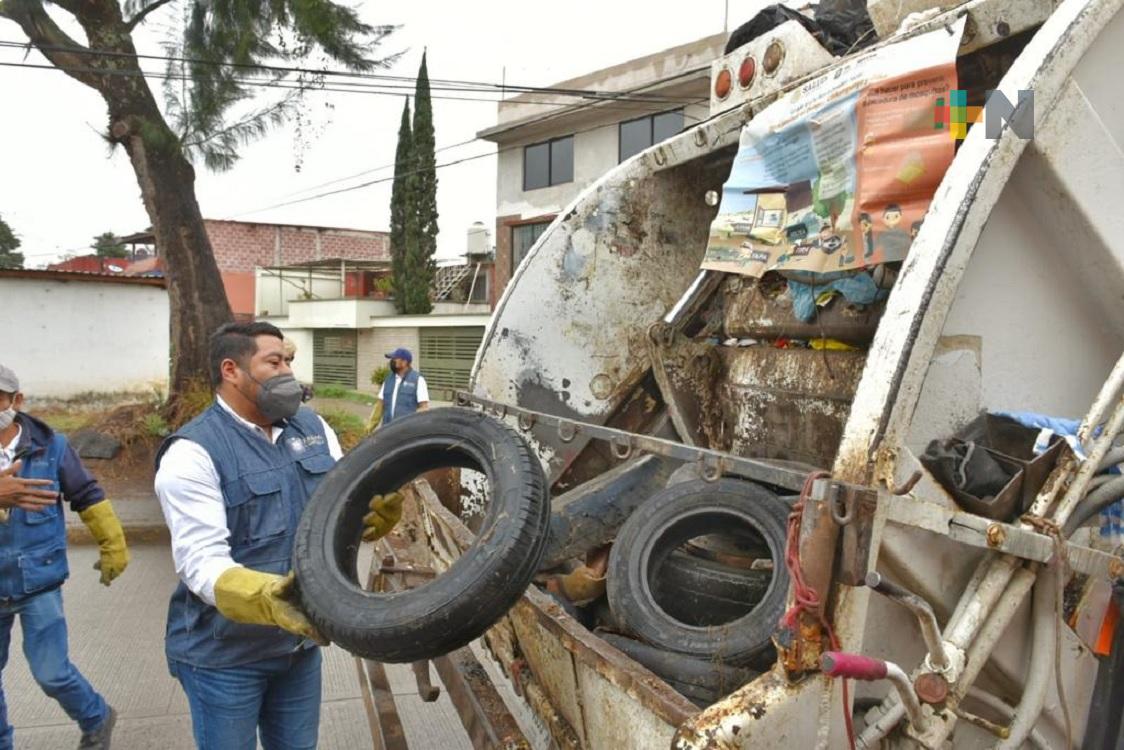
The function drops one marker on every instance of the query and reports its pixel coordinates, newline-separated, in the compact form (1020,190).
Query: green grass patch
(339,392)
(66,421)
(349,428)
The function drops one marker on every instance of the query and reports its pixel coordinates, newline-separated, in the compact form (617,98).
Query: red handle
(853,666)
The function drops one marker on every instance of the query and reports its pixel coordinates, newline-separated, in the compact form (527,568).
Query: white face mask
(7,417)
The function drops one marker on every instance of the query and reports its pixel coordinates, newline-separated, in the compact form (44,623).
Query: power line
(396,81)
(382,180)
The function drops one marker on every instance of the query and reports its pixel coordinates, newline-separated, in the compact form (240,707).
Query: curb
(135,533)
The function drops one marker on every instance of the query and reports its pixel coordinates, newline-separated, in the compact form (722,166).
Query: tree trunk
(195,289)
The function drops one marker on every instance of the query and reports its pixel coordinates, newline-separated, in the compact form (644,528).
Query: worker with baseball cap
(38,470)
(401,395)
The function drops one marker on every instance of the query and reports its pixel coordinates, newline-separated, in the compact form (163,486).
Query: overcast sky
(60,185)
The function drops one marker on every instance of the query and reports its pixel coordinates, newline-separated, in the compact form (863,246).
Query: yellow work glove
(257,598)
(106,530)
(386,512)
(376,417)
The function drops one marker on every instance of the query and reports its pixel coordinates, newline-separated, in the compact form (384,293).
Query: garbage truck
(819,404)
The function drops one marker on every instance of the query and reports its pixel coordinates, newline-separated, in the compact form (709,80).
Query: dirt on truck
(798,429)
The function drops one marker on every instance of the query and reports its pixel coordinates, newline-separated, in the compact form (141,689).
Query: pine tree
(401,206)
(422,268)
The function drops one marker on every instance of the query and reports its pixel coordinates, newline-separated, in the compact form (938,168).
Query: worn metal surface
(589,515)
(1003,537)
(788,404)
(800,54)
(485,717)
(545,652)
(568,336)
(753,312)
(856,549)
(713,463)
(687,372)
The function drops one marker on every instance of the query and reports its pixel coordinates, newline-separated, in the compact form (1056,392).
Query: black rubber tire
(698,591)
(661,525)
(700,681)
(458,605)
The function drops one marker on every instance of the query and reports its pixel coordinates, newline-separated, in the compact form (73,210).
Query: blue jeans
(279,697)
(45,646)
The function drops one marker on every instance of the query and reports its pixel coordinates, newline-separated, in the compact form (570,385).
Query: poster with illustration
(839,172)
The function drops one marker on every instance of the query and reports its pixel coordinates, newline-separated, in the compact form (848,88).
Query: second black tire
(661,526)
(479,588)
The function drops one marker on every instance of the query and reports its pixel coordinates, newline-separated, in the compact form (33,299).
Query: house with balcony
(550,153)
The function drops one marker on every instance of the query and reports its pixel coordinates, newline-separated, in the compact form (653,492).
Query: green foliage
(349,428)
(379,375)
(226,47)
(9,243)
(155,426)
(419,258)
(400,208)
(414,205)
(106,245)
(346,394)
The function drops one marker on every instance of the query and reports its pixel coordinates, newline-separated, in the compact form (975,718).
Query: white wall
(64,338)
(273,289)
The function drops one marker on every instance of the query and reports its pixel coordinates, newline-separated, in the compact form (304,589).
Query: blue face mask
(7,417)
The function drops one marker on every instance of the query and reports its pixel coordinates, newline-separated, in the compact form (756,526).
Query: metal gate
(333,357)
(446,356)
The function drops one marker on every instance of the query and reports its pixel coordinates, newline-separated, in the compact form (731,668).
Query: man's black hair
(891,207)
(236,341)
(865,215)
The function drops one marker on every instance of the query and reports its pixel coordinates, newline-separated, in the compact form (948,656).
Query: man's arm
(376,414)
(423,394)
(190,494)
(78,485)
(333,440)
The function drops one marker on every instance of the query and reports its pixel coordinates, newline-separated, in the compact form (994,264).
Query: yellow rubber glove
(106,530)
(376,417)
(386,512)
(257,598)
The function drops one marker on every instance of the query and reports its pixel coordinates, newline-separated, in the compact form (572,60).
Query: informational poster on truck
(838,173)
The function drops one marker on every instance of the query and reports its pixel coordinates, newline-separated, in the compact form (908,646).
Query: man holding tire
(232,484)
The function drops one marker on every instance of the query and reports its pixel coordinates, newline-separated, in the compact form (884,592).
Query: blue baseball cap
(401,353)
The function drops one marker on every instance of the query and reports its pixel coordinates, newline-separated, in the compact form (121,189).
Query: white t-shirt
(423,393)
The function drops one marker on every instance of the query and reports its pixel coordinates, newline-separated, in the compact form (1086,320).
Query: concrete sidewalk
(117,642)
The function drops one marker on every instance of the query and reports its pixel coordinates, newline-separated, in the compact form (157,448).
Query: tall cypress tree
(421,266)
(401,206)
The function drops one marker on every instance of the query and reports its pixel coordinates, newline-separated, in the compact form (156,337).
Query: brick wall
(374,343)
(242,246)
(502,272)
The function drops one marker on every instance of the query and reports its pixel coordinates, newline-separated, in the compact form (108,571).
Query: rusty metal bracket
(427,691)
(857,536)
(760,470)
(977,531)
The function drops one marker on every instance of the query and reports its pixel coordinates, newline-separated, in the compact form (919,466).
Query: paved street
(117,642)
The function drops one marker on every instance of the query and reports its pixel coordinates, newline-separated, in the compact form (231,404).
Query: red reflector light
(722,83)
(746,72)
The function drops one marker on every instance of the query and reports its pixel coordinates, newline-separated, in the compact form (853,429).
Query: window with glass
(548,163)
(523,237)
(643,132)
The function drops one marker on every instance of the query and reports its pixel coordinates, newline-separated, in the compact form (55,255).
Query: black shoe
(98,739)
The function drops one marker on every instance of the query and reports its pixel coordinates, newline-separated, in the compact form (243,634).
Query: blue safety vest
(265,487)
